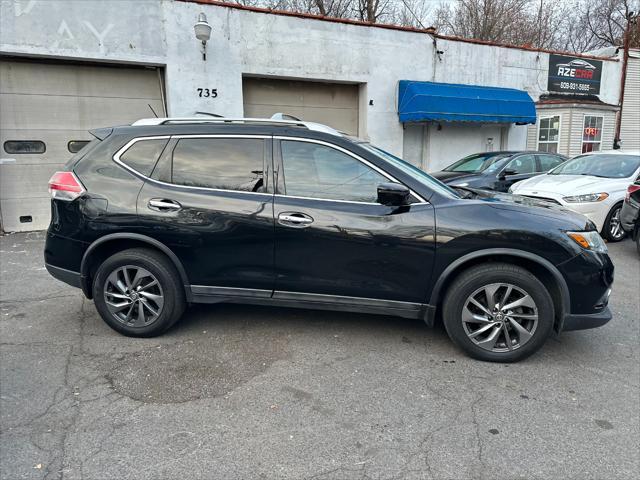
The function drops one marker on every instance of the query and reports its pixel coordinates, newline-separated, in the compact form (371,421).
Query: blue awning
(424,101)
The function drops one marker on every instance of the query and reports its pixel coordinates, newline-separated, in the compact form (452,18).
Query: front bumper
(586,320)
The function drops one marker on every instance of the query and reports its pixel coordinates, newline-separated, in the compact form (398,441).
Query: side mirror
(508,171)
(393,194)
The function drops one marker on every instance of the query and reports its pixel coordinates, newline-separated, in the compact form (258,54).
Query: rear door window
(143,155)
(547,162)
(220,163)
(522,164)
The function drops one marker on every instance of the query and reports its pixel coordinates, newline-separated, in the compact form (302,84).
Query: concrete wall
(249,43)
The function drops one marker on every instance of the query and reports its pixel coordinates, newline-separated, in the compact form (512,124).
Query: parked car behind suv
(630,213)
(497,170)
(151,217)
(593,184)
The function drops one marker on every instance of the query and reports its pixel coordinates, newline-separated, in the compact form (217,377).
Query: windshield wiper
(593,175)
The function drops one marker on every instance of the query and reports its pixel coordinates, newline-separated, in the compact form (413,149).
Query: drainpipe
(623,78)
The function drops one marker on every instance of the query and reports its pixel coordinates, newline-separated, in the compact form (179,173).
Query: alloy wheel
(615,227)
(133,296)
(500,317)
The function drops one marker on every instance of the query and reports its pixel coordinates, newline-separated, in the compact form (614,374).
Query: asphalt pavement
(239,392)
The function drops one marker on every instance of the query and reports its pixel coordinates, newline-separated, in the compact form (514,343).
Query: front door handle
(294,219)
(164,205)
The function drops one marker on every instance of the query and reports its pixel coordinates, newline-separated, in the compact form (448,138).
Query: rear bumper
(584,321)
(67,276)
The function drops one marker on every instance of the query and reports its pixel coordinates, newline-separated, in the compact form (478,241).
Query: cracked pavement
(255,392)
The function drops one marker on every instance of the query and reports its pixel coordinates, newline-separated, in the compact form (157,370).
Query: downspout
(623,81)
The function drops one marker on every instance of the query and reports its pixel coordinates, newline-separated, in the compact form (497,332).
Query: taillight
(631,189)
(65,186)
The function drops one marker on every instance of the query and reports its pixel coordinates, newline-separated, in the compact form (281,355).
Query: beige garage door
(53,104)
(333,104)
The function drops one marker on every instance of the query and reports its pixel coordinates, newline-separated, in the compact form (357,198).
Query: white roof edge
(318,127)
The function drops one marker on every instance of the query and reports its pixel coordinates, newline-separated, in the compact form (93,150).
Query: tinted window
(318,171)
(222,163)
(75,146)
(142,155)
(24,146)
(414,172)
(522,164)
(475,163)
(600,165)
(547,162)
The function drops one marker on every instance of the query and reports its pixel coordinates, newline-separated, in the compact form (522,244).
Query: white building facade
(69,66)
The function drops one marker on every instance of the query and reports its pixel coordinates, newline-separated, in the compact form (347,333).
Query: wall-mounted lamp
(203,33)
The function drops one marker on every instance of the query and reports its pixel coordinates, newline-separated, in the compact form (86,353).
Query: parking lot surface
(255,392)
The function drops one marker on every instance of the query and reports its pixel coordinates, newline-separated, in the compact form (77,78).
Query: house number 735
(208,92)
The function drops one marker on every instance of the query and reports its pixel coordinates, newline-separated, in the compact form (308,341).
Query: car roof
(615,152)
(276,121)
(235,127)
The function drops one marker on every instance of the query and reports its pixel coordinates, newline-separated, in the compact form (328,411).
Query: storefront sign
(574,75)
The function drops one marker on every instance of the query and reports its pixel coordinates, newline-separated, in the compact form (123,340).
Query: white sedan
(593,184)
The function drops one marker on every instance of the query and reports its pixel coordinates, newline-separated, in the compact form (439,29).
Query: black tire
(476,278)
(170,289)
(607,228)
(638,242)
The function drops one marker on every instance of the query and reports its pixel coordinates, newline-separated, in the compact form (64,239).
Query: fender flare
(84,265)
(437,293)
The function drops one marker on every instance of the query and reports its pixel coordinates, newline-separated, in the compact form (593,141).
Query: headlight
(511,188)
(589,241)
(589,197)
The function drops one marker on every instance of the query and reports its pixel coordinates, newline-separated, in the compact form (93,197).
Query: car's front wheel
(612,229)
(138,292)
(498,312)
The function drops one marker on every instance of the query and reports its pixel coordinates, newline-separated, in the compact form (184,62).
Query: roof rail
(318,127)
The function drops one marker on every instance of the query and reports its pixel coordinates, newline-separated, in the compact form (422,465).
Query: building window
(549,134)
(74,146)
(592,133)
(24,146)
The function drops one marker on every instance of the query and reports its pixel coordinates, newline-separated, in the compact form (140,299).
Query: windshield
(423,177)
(476,163)
(600,165)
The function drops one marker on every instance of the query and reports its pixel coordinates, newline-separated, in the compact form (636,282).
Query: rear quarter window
(143,155)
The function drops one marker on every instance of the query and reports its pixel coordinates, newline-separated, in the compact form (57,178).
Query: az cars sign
(574,75)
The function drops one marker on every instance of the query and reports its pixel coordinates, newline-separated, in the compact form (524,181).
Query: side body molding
(84,266)
(437,293)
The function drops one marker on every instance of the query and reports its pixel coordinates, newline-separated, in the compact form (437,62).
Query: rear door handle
(294,219)
(163,205)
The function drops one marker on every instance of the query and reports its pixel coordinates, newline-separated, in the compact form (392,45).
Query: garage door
(333,104)
(45,106)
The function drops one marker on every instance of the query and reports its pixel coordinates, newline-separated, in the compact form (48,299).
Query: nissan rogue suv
(167,212)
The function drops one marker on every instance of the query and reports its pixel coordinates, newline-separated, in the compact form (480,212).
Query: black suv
(151,217)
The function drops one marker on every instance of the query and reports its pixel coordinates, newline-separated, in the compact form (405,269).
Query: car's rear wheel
(498,312)
(138,293)
(612,229)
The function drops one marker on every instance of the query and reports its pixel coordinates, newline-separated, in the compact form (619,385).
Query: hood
(447,177)
(560,184)
(569,219)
